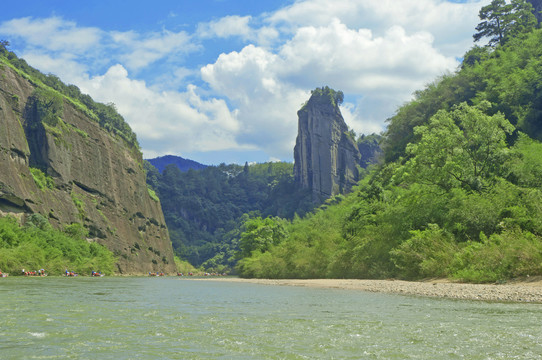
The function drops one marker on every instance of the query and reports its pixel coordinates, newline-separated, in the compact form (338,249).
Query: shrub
(42,181)
(513,253)
(427,253)
(37,245)
(152,194)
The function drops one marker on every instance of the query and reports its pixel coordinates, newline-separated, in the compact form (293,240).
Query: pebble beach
(529,290)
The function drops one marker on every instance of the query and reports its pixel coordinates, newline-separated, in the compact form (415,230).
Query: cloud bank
(244,100)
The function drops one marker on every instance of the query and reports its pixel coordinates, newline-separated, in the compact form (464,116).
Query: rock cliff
(326,156)
(92,176)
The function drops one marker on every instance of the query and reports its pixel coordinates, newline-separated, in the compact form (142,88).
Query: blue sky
(221,80)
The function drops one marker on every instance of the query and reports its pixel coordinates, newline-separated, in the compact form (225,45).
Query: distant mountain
(183,164)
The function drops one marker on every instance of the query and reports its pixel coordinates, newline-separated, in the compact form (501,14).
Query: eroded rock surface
(326,155)
(98,179)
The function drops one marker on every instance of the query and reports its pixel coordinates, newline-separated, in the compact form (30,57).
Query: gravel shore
(529,290)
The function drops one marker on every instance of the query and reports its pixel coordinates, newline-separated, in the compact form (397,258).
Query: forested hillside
(205,208)
(459,194)
(183,164)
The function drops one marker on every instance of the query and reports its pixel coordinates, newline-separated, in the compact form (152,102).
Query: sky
(221,81)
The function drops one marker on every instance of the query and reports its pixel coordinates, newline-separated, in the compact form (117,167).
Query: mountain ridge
(183,164)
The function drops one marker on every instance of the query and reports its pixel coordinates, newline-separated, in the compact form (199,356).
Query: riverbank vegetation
(36,245)
(459,191)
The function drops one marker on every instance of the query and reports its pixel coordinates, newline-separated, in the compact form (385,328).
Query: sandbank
(527,290)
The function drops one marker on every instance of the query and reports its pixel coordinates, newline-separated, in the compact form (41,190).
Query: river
(179,318)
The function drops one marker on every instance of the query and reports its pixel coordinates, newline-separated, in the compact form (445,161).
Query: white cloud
(173,122)
(64,65)
(97,48)
(225,27)
(451,23)
(237,26)
(357,61)
(53,34)
(138,51)
(269,87)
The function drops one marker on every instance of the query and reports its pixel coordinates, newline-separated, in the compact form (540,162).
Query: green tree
(48,105)
(459,148)
(501,21)
(260,234)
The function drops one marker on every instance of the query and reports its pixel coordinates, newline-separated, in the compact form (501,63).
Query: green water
(174,318)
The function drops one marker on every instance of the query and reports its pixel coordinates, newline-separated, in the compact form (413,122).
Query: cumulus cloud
(450,22)
(269,87)
(166,122)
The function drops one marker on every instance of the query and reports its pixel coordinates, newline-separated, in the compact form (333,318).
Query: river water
(178,318)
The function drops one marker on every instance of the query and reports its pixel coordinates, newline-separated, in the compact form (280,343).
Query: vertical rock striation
(326,155)
(96,178)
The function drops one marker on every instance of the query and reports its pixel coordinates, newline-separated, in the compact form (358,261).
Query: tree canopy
(502,21)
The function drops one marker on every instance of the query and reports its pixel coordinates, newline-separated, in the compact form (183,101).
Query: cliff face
(95,178)
(325,155)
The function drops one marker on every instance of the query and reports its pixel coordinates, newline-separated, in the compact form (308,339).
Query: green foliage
(152,194)
(369,148)
(510,254)
(79,204)
(460,148)
(260,235)
(42,181)
(76,231)
(502,21)
(509,77)
(38,246)
(325,95)
(524,163)
(48,105)
(183,266)
(428,253)
(304,248)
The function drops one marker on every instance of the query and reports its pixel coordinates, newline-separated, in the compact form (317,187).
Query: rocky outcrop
(93,177)
(326,155)
(370,150)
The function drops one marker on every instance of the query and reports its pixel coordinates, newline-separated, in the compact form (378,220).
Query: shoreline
(526,291)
